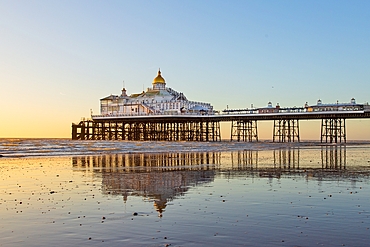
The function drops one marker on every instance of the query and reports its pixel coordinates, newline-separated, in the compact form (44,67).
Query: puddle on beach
(317,196)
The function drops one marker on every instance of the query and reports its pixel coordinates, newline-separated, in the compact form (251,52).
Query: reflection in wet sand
(159,177)
(163,177)
(333,157)
(148,162)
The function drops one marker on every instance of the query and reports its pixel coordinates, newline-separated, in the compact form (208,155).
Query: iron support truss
(286,130)
(333,130)
(147,131)
(244,130)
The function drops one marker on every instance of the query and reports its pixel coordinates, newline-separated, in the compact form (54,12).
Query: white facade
(352,106)
(157,100)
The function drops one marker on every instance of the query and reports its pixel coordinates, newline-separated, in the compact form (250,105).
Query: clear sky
(58,58)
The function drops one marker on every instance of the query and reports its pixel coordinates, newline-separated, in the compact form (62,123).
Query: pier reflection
(266,163)
(156,177)
(161,178)
(333,157)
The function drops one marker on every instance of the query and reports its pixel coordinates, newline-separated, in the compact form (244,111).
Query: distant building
(269,108)
(351,106)
(156,100)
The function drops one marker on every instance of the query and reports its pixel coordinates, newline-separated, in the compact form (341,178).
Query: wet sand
(286,197)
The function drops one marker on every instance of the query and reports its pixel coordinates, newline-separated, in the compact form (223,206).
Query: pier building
(347,106)
(157,100)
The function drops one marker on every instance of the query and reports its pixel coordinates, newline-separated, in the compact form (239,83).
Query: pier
(162,114)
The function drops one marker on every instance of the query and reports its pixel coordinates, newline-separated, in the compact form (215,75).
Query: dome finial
(159,80)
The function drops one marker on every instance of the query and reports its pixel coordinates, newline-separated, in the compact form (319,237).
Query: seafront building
(158,100)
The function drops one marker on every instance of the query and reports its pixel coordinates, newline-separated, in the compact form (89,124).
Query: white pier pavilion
(158,100)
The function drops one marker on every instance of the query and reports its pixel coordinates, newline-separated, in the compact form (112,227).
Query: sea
(62,192)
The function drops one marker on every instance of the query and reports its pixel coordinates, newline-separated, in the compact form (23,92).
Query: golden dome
(159,78)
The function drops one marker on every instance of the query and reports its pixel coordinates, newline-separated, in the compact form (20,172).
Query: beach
(67,193)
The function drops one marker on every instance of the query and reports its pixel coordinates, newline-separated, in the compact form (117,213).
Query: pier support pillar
(74,131)
(213,131)
(244,130)
(333,130)
(286,130)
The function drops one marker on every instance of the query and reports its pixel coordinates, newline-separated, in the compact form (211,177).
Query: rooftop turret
(159,82)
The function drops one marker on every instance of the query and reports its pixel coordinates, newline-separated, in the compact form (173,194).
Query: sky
(59,58)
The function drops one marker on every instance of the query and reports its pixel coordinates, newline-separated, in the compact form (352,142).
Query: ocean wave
(67,147)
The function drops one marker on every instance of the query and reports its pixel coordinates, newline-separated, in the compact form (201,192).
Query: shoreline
(32,148)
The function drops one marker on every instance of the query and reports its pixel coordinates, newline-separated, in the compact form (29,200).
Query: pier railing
(149,114)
